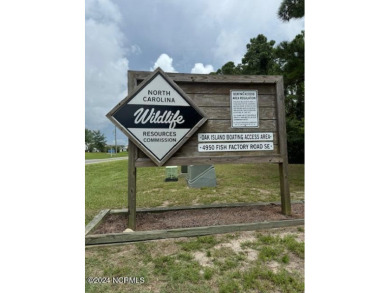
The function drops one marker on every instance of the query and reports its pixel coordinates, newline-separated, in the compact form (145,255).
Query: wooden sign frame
(206,92)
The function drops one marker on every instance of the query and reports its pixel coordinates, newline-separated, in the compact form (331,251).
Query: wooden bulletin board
(212,94)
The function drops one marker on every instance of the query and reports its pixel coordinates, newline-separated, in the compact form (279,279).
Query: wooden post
(283,171)
(131,185)
(284,189)
(132,171)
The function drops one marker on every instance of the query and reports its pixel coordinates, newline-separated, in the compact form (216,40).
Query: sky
(177,35)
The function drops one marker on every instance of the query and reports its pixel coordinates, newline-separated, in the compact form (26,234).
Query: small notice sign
(244,108)
(252,136)
(236,147)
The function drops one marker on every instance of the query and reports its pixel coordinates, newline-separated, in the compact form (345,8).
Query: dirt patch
(273,266)
(296,265)
(117,223)
(298,237)
(235,244)
(202,259)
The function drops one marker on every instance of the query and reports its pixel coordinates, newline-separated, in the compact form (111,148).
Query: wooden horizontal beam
(220,100)
(182,161)
(196,207)
(224,113)
(224,88)
(185,77)
(186,232)
(96,221)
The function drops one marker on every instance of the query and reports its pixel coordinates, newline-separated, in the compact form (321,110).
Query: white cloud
(135,49)
(102,11)
(105,62)
(200,68)
(229,47)
(165,63)
(239,21)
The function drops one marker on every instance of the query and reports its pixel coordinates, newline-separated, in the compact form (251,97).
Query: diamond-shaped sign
(158,117)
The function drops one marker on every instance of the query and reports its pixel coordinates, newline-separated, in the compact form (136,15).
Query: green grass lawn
(254,261)
(106,186)
(90,156)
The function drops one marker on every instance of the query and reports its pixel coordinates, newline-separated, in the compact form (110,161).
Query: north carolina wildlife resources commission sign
(158,117)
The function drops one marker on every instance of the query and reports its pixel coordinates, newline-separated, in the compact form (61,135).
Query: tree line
(264,57)
(94,139)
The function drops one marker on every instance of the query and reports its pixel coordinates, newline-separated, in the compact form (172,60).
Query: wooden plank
(96,221)
(221,88)
(192,150)
(215,113)
(132,81)
(284,188)
(210,100)
(197,207)
(225,126)
(132,185)
(196,78)
(234,159)
(224,88)
(132,171)
(187,232)
(283,166)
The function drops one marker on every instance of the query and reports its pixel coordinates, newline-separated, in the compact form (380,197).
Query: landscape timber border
(124,237)
(212,94)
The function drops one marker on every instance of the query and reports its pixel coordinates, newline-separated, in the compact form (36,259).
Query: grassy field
(106,186)
(90,156)
(266,261)
(255,261)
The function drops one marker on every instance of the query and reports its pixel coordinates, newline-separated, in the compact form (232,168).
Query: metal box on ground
(171,173)
(184,169)
(201,176)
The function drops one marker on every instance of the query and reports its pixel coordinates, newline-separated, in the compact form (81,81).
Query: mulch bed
(117,223)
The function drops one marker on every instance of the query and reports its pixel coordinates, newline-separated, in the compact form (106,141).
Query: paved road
(95,161)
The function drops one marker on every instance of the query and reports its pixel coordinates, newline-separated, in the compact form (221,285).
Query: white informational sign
(244,108)
(252,136)
(236,147)
(159,104)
